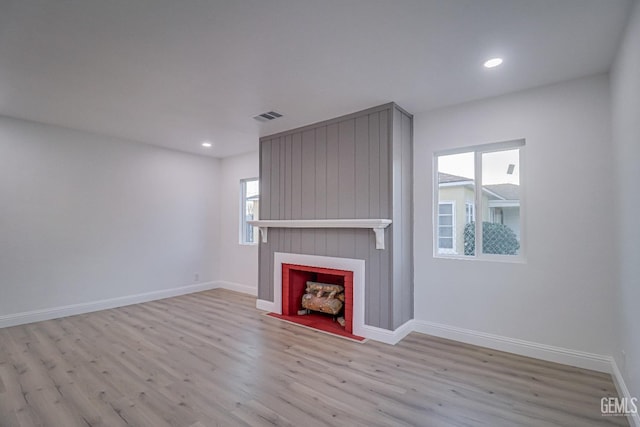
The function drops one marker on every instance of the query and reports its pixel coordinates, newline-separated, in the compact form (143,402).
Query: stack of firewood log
(325,298)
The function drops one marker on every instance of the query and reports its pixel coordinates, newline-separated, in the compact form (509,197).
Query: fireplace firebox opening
(318,286)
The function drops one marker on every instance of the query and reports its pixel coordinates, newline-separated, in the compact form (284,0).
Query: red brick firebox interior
(294,282)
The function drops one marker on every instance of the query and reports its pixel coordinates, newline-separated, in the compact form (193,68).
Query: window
(446,227)
(249,210)
(478,194)
(469,212)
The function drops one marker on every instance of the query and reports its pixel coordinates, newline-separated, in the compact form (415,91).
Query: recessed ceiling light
(493,62)
(207,144)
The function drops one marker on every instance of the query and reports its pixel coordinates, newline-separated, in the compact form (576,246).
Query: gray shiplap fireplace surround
(357,166)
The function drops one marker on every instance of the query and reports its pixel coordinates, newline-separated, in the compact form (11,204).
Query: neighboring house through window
(249,210)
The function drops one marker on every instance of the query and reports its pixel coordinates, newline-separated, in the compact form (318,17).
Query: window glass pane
(253,188)
(501,202)
(445,220)
(445,243)
(469,212)
(446,232)
(445,208)
(250,209)
(456,186)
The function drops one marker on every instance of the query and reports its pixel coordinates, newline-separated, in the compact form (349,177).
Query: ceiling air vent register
(268,116)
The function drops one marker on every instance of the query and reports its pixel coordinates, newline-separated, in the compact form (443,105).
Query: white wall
(625,90)
(85,217)
(563,295)
(238,263)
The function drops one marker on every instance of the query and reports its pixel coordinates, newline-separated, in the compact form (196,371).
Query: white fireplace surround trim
(376,225)
(349,264)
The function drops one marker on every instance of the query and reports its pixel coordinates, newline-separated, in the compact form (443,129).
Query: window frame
(478,151)
(243,208)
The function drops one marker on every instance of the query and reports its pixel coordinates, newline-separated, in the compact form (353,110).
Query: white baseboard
(549,353)
(74,309)
(386,336)
(265,305)
(238,287)
(623,391)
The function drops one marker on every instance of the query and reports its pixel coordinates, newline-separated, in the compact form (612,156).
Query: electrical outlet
(196,277)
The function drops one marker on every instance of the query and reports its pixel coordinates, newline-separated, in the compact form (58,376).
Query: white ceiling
(174,73)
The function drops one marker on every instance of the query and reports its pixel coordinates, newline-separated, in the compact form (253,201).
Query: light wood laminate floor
(212,359)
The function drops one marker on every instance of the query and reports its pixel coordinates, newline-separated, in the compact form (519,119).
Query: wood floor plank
(212,359)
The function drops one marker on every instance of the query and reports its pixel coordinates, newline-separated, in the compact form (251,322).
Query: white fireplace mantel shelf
(377,225)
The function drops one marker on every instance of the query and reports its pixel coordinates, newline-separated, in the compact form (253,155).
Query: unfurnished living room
(319,213)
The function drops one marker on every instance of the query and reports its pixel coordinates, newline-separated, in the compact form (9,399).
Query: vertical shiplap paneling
(384,284)
(296,188)
(374,165)
(264,284)
(287,193)
(283,190)
(346,169)
(407,218)
(362,168)
(287,172)
(397,226)
(308,196)
(374,279)
(265,180)
(332,186)
(271,244)
(332,171)
(364,238)
(321,187)
(265,292)
(385,166)
(363,241)
(308,170)
(346,184)
(275,196)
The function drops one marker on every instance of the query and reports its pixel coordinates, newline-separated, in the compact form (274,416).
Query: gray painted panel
(396,169)
(332,171)
(321,187)
(308,170)
(321,173)
(296,176)
(362,168)
(308,241)
(407,218)
(265,180)
(347,185)
(287,171)
(275,196)
(385,164)
(346,169)
(296,188)
(374,163)
(332,241)
(282,177)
